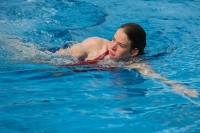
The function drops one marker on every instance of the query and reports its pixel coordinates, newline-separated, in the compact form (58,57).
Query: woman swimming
(129,41)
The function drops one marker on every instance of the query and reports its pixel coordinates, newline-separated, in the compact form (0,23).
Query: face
(120,46)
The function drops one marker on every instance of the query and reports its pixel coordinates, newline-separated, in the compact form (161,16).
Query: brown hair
(136,35)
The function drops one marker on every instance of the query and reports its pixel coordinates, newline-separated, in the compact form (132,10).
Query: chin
(113,57)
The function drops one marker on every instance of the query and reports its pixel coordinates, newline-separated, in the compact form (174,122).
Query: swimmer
(128,42)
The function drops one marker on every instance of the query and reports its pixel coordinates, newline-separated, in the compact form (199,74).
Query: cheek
(123,52)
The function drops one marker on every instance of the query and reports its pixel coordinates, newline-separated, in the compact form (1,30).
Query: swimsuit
(87,62)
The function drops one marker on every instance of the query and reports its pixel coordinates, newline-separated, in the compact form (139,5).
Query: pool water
(37,95)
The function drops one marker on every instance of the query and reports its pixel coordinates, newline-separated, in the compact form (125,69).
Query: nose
(114,46)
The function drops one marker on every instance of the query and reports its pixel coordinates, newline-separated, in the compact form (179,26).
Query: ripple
(47,22)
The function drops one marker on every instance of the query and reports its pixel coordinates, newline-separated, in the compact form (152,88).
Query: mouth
(111,54)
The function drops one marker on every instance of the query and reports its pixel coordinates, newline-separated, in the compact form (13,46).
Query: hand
(181,89)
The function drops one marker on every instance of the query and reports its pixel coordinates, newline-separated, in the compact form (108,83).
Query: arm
(83,49)
(147,70)
(77,50)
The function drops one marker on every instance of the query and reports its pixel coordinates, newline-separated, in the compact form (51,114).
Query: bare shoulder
(94,46)
(86,47)
(94,42)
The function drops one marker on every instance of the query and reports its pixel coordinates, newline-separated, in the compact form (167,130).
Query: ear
(134,52)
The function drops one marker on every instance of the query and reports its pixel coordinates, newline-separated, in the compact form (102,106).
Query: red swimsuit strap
(101,57)
(87,62)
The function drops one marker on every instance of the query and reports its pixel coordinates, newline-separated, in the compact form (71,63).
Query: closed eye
(121,45)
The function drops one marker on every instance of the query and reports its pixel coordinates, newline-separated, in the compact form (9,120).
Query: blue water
(36,95)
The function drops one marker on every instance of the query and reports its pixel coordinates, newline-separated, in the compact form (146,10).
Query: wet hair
(136,35)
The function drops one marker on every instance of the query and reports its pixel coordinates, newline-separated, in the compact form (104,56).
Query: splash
(14,49)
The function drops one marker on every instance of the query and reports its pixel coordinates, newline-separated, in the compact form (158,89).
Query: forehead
(121,37)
